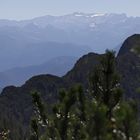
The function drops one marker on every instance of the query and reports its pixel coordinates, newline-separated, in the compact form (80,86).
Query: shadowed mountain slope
(128,61)
(16,101)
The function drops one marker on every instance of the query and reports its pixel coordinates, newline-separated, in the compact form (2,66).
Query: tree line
(97,113)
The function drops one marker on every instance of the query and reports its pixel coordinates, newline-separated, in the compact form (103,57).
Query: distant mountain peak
(90,15)
(130,44)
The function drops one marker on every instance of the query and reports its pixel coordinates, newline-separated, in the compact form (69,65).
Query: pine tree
(98,113)
(105,83)
(34,130)
(127,120)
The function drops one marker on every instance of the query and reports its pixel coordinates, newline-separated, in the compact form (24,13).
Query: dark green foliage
(98,113)
(39,108)
(13,129)
(127,122)
(105,82)
(4,135)
(34,130)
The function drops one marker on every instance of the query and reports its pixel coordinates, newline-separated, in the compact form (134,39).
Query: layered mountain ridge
(56,66)
(17,102)
(36,41)
(94,32)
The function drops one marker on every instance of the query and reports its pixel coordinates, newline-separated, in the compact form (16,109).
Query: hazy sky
(25,9)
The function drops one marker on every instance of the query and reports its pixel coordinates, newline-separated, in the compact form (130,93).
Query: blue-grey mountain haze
(36,41)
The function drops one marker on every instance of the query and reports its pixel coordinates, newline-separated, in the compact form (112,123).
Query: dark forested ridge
(16,102)
(128,62)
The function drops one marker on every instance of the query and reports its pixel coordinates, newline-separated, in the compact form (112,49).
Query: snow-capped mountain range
(71,19)
(38,40)
(98,31)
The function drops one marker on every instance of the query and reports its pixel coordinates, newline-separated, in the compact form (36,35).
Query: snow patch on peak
(97,15)
(88,15)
